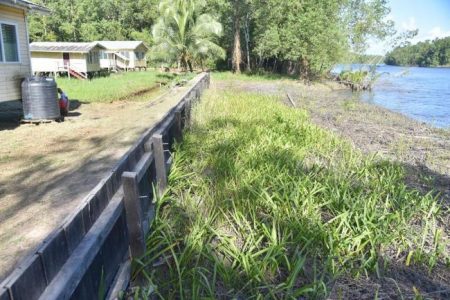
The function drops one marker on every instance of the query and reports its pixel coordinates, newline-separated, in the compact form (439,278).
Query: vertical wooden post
(133,212)
(160,162)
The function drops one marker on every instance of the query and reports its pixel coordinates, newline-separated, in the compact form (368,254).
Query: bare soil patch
(46,170)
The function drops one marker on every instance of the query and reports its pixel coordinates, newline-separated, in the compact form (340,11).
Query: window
(140,55)
(9,48)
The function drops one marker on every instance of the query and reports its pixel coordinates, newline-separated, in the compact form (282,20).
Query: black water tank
(40,99)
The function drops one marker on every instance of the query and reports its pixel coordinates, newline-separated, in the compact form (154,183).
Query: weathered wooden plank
(64,285)
(4,294)
(143,165)
(74,230)
(28,281)
(187,113)
(86,217)
(94,208)
(178,127)
(100,275)
(109,183)
(101,194)
(119,168)
(114,250)
(54,253)
(121,281)
(133,211)
(132,159)
(88,288)
(145,184)
(160,162)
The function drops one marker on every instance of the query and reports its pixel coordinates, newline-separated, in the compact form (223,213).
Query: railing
(71,70)
(92,250)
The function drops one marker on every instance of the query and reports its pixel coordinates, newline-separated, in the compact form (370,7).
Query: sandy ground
(46,170)
(423,150)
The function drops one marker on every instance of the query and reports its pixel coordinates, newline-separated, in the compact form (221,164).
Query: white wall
(132,63)
(12,74)
(53,62)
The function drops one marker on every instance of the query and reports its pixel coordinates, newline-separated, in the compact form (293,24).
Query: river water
(420,93)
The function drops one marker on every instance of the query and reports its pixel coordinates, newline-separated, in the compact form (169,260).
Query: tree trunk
(304,68)
(247,40)
(237,55)
(190,66)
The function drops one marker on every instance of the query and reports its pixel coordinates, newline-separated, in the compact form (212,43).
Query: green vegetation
(185,35)
(424,54)
(115,87)
(263,204)
(303,38)
(359,79)
(367,59)
(93,20)
(251,76)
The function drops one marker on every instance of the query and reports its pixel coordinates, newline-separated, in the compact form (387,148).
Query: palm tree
(184,35)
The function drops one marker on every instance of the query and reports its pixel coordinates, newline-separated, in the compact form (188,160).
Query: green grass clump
(252,76)
(263,204)
(114,87)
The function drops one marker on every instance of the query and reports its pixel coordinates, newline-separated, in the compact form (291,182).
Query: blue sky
(431,17)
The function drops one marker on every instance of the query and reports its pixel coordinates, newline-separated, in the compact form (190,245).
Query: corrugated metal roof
(27,5)
(63,47)
(121,45)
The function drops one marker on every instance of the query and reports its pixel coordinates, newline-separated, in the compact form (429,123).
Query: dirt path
(424,151)
(46,170)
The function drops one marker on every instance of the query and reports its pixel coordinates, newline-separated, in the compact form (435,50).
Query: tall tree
(88,20)
(313,35)
(237,51)
(184,34)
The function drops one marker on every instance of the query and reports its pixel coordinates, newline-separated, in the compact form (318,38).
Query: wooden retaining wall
(90,253)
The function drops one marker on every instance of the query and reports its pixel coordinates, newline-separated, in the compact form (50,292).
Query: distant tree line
(423,54)
(91,20)
(368,59)
(303,37)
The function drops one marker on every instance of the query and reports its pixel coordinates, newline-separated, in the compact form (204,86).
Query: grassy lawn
(116,86)
(264,204)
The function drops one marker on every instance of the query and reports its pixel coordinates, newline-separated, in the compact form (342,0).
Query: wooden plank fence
(91,251)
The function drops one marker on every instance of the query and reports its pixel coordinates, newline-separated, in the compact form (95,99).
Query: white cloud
(438,32)
(411,24)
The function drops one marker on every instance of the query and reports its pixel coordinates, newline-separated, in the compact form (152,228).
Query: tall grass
(114,87)
(263,204)
(252,76)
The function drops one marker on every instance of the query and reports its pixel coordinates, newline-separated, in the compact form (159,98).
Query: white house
(14,50)
(123,55)
(77,59)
